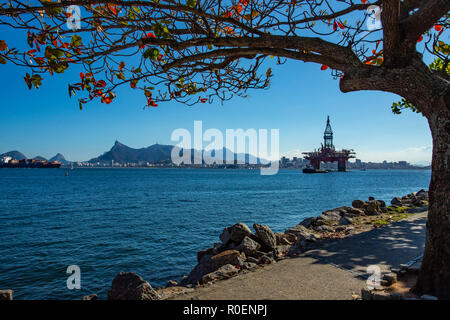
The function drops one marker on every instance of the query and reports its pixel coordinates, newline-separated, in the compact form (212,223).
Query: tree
(198,51)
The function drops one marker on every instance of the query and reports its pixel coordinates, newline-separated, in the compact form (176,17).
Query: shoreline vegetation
(241,251)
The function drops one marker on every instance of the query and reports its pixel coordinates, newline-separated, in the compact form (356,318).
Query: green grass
(392,215)
(380,222)
(393,210)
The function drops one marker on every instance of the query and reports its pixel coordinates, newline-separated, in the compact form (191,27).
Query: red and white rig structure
(328,153)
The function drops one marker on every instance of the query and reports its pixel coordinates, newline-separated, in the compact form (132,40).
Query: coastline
(242,251)
(233,168)
(310,234)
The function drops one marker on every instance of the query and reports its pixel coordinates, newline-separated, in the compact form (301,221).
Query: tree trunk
(430,92)
(434,276)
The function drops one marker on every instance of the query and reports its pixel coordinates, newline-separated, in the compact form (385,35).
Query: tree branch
(251,52)
(391,30)
(424,19)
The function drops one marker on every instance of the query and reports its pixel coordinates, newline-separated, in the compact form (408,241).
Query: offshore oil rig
(327,153)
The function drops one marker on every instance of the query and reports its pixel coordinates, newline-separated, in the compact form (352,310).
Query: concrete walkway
(334,272)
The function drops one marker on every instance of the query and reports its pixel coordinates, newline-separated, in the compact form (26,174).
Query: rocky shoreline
(240,250)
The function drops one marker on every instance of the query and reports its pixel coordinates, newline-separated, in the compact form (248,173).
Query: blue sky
(46,121)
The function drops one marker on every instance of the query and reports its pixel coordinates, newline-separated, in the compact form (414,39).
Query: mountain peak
(14,154)
(117,143)
(60,158)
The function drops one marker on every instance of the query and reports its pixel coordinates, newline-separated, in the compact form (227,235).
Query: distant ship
(8,162)
(312,170)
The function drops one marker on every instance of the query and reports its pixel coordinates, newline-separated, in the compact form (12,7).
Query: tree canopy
(196,51)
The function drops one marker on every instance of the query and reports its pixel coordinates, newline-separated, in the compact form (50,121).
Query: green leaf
(191,3)
(121,76)
(403,104)
(53,53)
(161,30)
(53,11)
(2,60)
(75,41)
(61,67)
(36,80)
(151,53)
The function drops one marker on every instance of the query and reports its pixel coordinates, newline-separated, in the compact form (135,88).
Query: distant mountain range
(20,156)
(157,153)
(120,153)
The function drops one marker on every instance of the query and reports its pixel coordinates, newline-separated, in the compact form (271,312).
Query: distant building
(5,159)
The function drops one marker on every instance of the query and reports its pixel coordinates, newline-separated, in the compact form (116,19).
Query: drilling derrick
(328,153)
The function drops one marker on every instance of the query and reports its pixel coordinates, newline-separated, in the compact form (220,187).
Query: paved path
(335,271)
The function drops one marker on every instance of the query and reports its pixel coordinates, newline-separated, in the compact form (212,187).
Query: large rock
(248,246)
(224,272)
(239,231)
(324,228)
(422,195)
(130,286)
(302,233)
(171,283)
(354,212)
(396,201)
(225,236)
(267,259)
(210,251)
(372,208)
(204,266)
(6,294)
(257,254)
(381,203)
(92,296)
(359,204)
(330,216)
(344,221)
(285,238)
(281,250)
(232,257)
(307,222)
(235,233)
(266,235)
(418,202)
(249,266)
(252,259)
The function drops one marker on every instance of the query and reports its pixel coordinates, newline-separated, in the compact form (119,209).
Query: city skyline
(296,157)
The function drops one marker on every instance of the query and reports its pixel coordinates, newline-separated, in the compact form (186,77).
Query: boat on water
(312,170)
(29,163)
